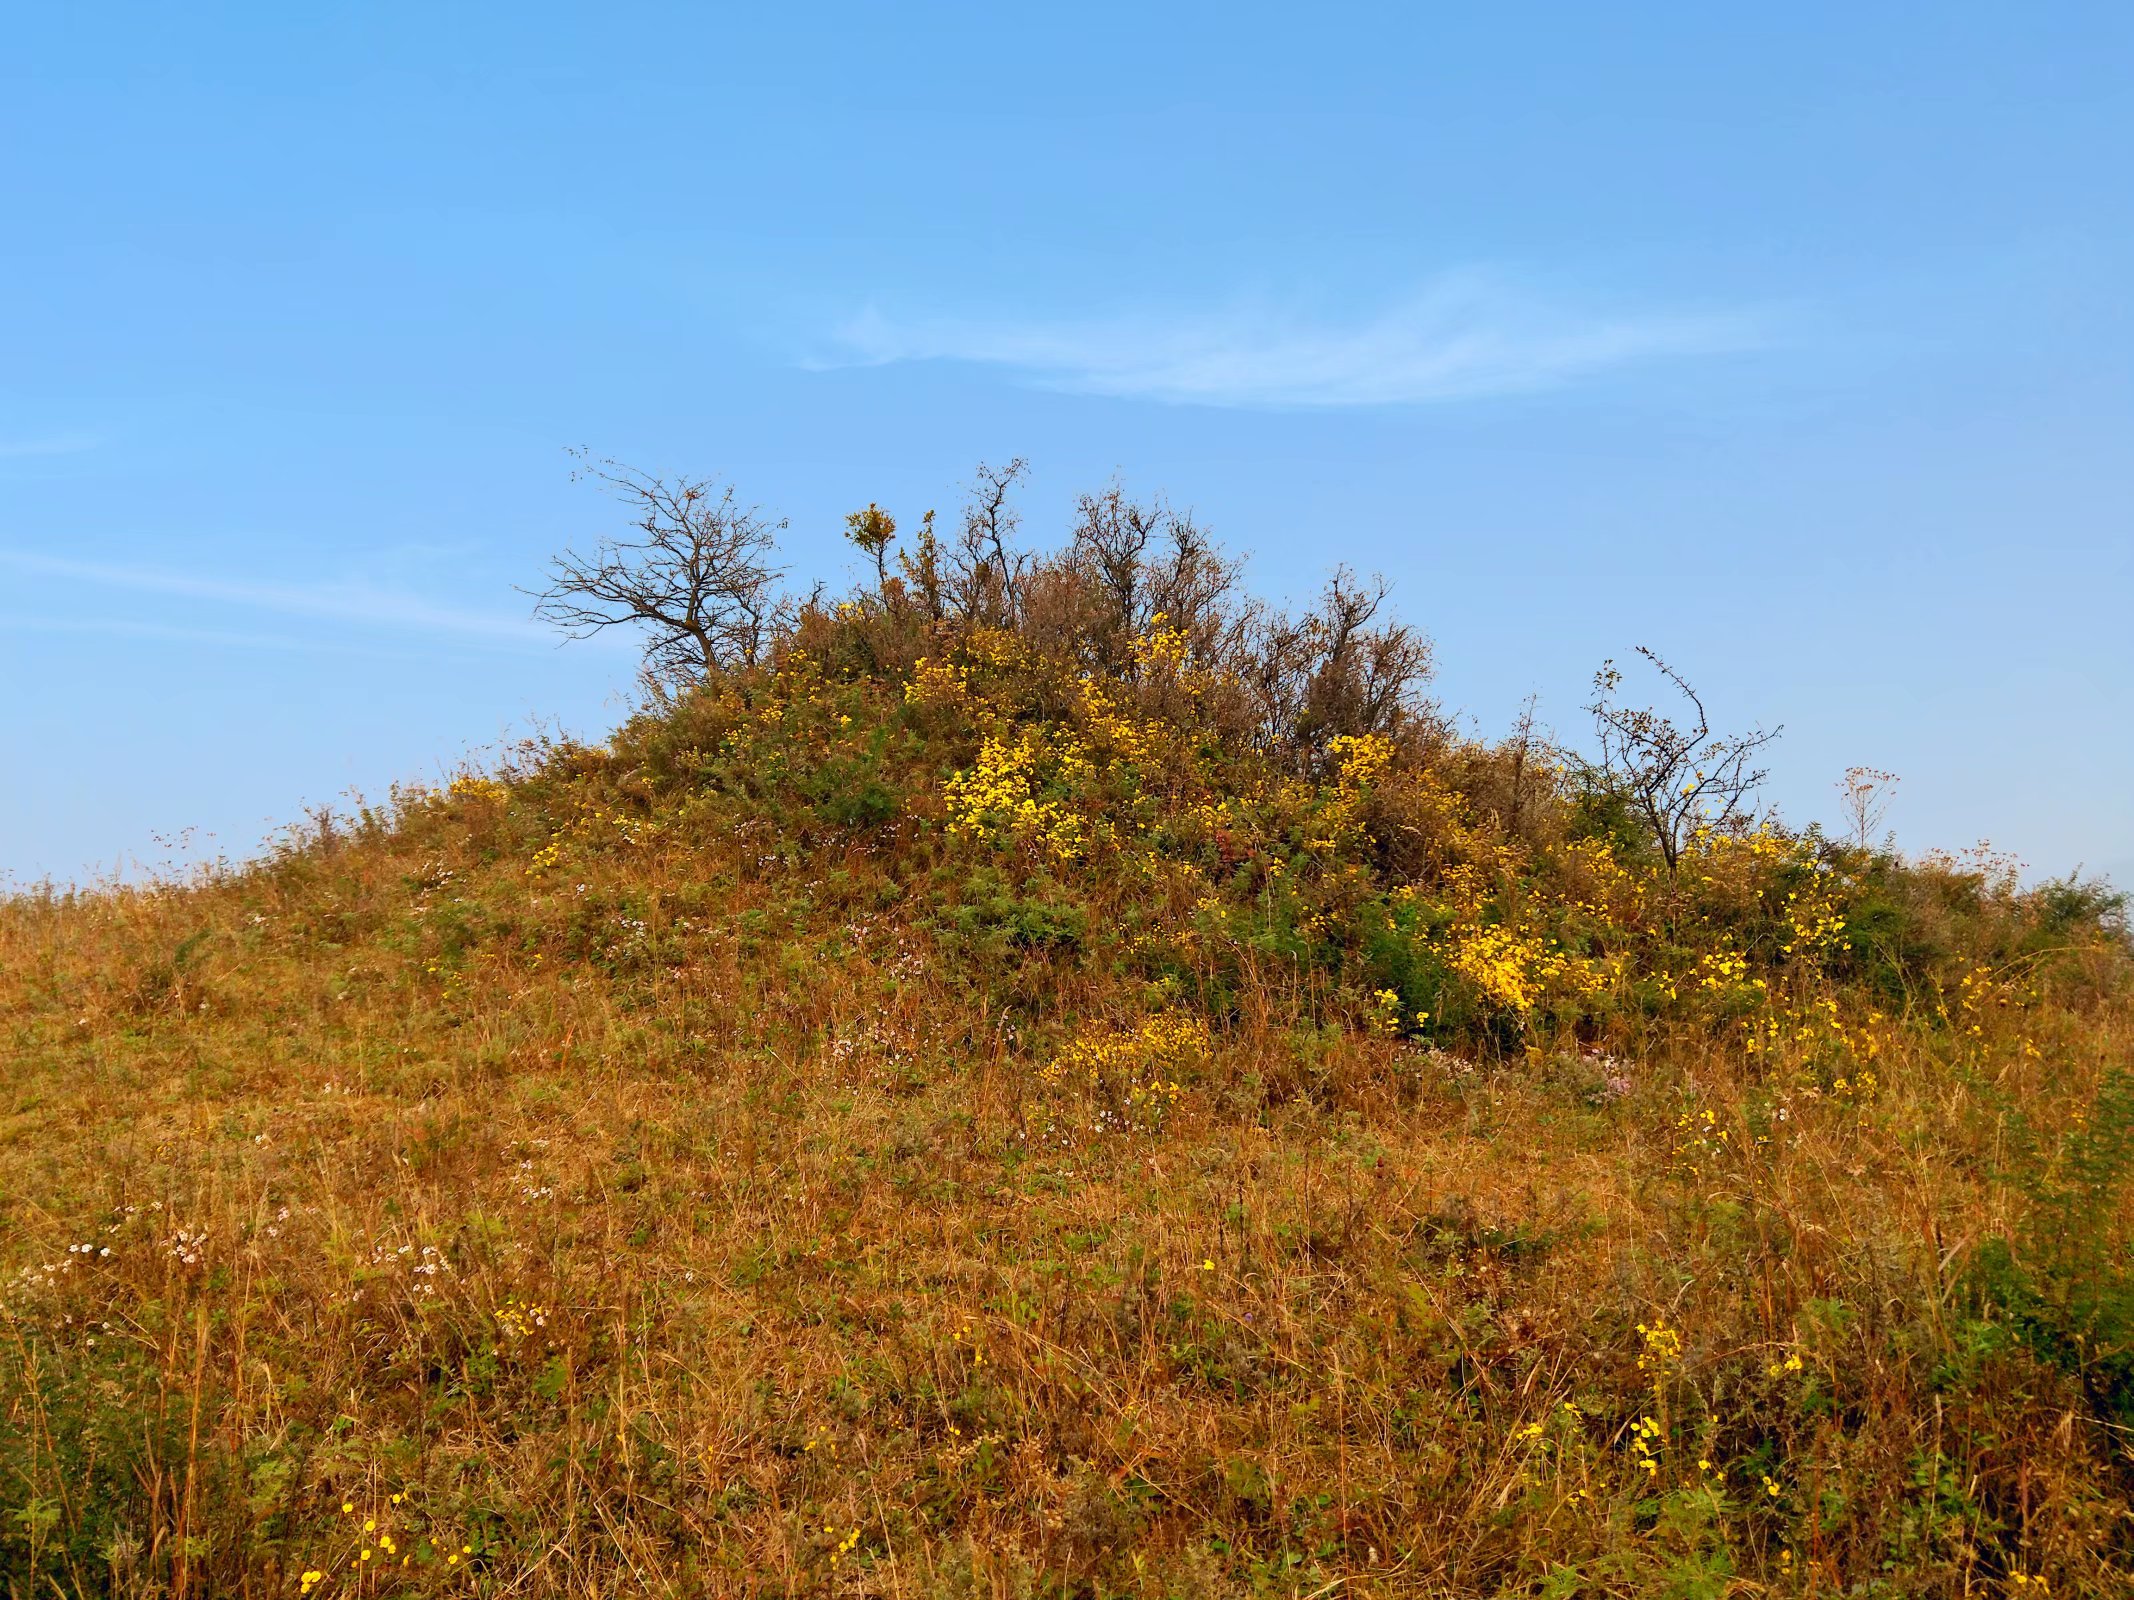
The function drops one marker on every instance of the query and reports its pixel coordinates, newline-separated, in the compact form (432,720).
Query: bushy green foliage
(2065,1282)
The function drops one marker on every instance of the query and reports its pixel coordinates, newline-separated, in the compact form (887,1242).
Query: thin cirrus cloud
(228,638)
(1459,339)
(51,444)
(345,602)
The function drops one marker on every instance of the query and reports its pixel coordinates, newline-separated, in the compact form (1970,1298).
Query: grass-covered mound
(1008,1098)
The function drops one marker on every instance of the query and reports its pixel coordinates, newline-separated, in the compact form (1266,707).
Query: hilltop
(1046,1078)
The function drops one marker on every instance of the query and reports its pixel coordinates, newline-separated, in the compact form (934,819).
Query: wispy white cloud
(1462,337)
(51,444)
(314,643)
(345,602)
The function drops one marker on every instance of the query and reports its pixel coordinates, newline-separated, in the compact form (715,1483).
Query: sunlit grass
(964,1130)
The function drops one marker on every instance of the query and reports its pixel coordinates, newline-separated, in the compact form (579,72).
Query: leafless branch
(697,577)
(1866,793)
(1146,561)
(984,570)
(1336,670)
(1676,779)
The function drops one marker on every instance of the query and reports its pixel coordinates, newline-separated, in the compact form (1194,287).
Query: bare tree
(1676,778)
(1866,793)
(1522,748)
(1148,561)
(699,578)
(984,569)
(1110,542)
(1336,670)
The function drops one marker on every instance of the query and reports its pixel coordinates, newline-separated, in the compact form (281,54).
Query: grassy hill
(1035,1096)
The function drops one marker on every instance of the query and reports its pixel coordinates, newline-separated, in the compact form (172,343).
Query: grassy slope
(692,1168)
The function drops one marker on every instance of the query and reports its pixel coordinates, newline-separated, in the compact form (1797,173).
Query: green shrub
(2065,1283)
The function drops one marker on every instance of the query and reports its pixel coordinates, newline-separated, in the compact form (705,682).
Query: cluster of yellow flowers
(453,981)
(1162,648)
(999,648)
(1599,885)
(1510,966)
(373,1546)
(590,823)
(1362,759)
(1663,1350)
(1978,990)
(1818,1034)
(1813,922)
(1136,1067)
(1725,971)
(1708,846)
(844,1547)
(475,788)
(594,821)
(1109,728)
(1002,794)
(937,685)
(1534,1442)
(1699,1140)
(1647,1440)
(1384,1016)
(1857,1087)
(968,1336)
(1359,762)
(518,1321)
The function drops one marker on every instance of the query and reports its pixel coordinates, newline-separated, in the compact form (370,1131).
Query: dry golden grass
(676,1202)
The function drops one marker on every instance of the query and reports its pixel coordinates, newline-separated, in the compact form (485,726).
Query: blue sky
(1795,342)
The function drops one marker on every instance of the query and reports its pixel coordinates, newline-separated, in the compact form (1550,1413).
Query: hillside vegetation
(1052,1079)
